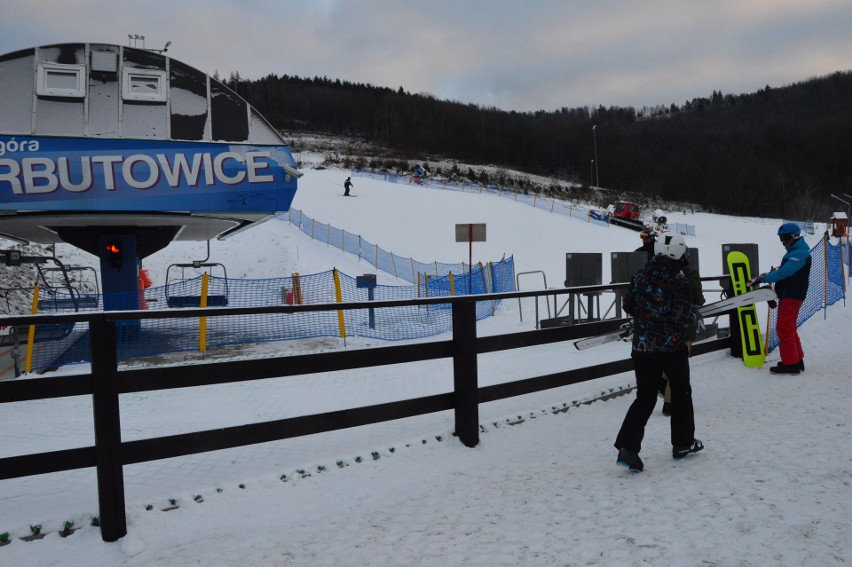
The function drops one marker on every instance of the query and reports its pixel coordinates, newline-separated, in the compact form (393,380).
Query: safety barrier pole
(488,277)
(766,335)
(31,333)
(825,277)
(338,295)
(297,288)
(202,321)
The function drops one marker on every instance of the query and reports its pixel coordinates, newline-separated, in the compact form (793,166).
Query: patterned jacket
(660,300)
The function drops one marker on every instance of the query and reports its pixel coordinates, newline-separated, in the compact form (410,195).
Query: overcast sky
(530,55)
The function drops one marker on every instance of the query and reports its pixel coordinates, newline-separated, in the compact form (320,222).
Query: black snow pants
(649,367)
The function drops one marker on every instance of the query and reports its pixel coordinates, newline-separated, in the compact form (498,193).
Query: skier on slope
(660,300)
(347,185)
(791,281)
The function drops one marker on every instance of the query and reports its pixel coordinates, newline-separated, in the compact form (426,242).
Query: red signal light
(113,250)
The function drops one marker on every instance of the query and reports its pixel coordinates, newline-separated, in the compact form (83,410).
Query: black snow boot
(630,459)
(681,452)
(782,368)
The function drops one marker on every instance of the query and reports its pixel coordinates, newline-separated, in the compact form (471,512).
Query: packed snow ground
(542,488)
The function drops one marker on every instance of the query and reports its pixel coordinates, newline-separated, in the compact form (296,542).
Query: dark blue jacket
(660,300)
(792,277)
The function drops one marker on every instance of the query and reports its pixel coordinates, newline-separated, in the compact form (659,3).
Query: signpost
(470,233)
(368,281)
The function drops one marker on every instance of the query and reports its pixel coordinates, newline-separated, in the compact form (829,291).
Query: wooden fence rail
(106,382)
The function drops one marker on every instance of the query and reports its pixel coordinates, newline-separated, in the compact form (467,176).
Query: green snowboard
(753,355)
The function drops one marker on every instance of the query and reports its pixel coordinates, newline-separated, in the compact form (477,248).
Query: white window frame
(45,70)
(129,75)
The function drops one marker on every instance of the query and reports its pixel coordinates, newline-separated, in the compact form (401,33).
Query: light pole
(595,138)
(592,173)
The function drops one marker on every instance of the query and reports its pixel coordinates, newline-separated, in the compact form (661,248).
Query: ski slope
(769,489)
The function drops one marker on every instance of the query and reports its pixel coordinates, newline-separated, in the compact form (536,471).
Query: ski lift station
(119,151)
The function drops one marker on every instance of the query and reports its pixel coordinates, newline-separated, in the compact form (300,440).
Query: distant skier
(347,186)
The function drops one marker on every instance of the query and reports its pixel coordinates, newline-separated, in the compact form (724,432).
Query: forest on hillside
(776,152)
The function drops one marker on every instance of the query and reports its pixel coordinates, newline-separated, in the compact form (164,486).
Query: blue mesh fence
(401,267)
(57,345)
(826,286)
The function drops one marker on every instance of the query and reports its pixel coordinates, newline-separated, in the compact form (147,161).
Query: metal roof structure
(101,138)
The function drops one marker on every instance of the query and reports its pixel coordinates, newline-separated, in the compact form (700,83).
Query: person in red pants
(791,284)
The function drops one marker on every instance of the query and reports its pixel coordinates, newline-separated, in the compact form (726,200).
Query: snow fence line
(402,267)
(517,195)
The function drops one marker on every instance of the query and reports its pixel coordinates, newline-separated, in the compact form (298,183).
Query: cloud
(544,54)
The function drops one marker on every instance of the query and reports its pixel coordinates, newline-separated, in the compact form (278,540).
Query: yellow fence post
(202,321)
(338,295)
(452,284)
(31,333)
(297,288)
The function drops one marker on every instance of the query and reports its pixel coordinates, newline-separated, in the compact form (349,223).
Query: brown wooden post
(107,430)
(465,371)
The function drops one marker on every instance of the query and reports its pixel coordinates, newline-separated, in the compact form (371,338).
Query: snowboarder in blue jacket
(791,281)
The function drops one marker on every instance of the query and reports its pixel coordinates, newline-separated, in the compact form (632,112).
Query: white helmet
(671,246)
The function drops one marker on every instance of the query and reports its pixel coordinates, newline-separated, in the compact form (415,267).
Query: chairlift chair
(176,273)
(83,291)
(48,331)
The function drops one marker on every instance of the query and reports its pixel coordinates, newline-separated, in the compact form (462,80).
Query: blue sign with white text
(90,174)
